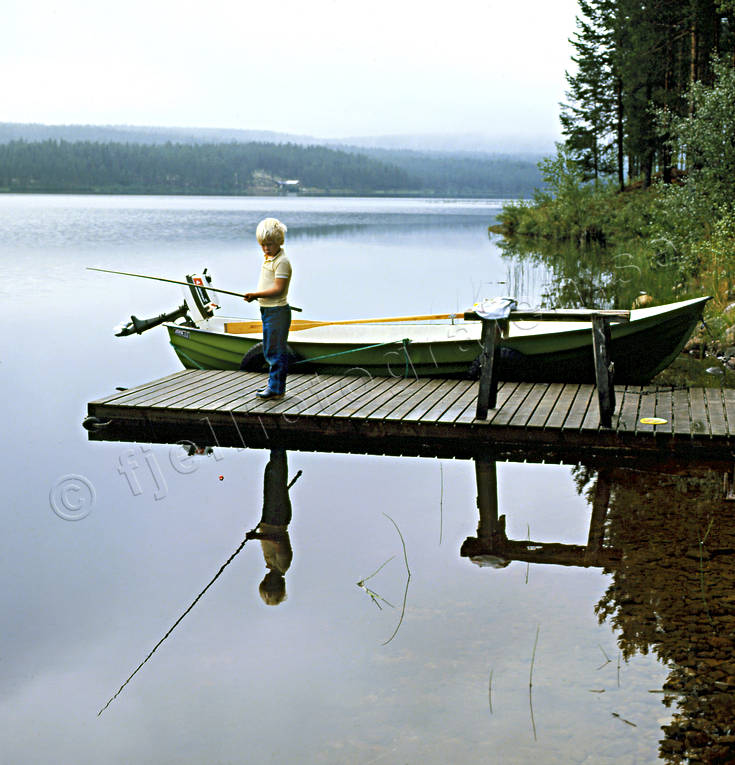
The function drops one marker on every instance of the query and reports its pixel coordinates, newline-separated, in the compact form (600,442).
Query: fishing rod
(175,281)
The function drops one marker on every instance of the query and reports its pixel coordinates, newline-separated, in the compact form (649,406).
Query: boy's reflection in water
(273,528)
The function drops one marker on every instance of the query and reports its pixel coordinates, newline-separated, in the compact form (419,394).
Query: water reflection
(492,547)
(272,531)
(592,275)
(672,593)
(664,536)
(668,542)
(580,276)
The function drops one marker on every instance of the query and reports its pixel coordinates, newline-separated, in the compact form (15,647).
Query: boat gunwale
(574,330)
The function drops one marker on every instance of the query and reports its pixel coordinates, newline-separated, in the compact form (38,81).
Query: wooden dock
(415,416)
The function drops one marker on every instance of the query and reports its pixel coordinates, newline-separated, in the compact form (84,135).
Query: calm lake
(390,646)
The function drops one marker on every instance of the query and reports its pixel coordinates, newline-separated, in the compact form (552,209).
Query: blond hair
(271,230)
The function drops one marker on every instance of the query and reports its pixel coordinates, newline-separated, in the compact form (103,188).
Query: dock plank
(468,400)
(225,386)
(681,413)
(132,396)
(716,411)
(294,393)
(246,387)
(297,401)
(506,409)
(591,419)
(370,395)
(578,408)
(383,397)
(646,408)
(628,414)
(728,398)
(698,408)
(664,410)
(546,406)
(134,390)
(291,400)
(504,394)
(403,392)
(524,412)
(438,396)
(410,402)
(202,391)
(449,400)
(350,396)
(173,390)
(562,405)
(339,388)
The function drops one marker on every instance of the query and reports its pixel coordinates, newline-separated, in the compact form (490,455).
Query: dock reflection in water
(664,535)
(668,542)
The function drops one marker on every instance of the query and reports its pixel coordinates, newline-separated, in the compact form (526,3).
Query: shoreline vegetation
(639,199)
(254,168)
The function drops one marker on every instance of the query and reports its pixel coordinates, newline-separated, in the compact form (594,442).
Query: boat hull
(639,349)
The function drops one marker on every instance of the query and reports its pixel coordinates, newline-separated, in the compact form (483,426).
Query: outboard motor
(197,306)
(138,326)
(203,307)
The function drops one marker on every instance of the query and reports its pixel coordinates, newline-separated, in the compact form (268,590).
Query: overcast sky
(329,68)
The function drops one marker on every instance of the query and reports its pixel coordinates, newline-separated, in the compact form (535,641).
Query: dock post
(489,355)
(604,368)
(600,507)
(487,497)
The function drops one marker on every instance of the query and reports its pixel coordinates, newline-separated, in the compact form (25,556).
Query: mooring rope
(188,358)
(351,350)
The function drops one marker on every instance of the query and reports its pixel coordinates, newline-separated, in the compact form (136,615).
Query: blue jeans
(276,323)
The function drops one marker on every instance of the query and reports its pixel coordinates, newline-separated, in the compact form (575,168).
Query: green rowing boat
(548,351)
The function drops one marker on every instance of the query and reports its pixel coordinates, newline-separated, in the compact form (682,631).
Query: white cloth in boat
(278,267)
(495,308)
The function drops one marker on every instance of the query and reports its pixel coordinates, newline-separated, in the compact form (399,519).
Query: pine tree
(588,120)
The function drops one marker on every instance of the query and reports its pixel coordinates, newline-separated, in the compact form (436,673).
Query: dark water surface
(625,592)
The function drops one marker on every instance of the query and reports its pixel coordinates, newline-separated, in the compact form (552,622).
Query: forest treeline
(647,165)
(228,168)
(235,168)
(465,173)
(636,65)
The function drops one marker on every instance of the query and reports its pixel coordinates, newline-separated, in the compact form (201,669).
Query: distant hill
(387,170)
(211,168)
(14,131)
(463,173)
(531,148)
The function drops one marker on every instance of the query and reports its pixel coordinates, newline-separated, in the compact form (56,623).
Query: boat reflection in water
(668,542)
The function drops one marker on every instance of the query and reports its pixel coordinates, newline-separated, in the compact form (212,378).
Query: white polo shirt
(278,267)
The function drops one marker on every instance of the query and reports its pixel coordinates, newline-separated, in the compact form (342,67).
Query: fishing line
(250,535)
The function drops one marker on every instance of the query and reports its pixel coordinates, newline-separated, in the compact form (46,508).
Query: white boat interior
(423,331)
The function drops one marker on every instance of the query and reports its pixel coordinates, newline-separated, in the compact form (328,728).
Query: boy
(272,295)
